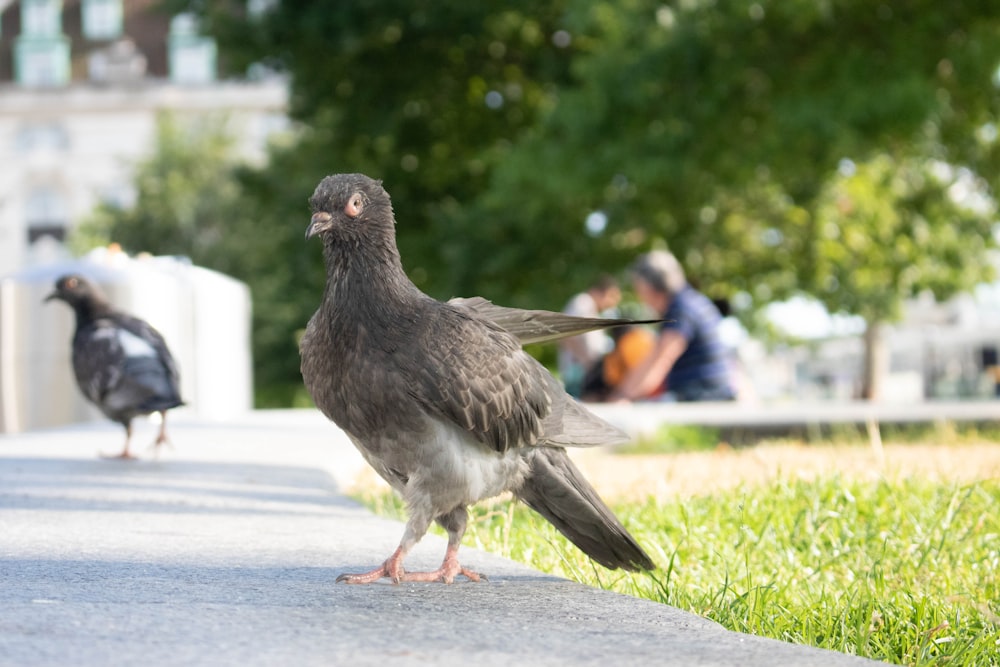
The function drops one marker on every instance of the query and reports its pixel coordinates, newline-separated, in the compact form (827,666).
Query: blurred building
(82,83)
(937,350)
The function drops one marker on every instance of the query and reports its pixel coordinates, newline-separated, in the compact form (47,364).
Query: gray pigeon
(121,363)
(440,398)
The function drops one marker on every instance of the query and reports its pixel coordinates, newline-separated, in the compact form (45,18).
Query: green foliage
(717,127)
(285,274)
(185,193)
(890,229)
(903,571)
(426,96)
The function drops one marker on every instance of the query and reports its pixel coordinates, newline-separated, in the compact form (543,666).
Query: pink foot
(363,577)
(445,574)
(393,569)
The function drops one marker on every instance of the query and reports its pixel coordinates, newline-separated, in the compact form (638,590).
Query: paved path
(224,552)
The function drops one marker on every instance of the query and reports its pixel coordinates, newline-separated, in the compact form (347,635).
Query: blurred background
(827,169)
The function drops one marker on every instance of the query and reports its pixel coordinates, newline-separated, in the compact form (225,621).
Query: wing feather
(476,375)
(146,332)
(98,361)
(538,326)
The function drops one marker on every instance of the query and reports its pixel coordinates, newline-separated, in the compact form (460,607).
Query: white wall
(108,129)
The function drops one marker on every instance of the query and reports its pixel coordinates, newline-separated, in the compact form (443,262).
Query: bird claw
(445,574)
(157,446)
(124,456)
(368,577)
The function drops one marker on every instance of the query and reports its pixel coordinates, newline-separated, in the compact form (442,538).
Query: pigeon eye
(354,206)
(72,283)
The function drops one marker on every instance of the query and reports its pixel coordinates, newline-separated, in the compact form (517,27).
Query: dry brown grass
(634,477)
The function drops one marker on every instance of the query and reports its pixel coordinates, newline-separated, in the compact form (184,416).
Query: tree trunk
(876,362)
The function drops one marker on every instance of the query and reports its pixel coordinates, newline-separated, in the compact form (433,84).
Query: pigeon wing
(150,376)
(146,333)
(476,375)
(98,361)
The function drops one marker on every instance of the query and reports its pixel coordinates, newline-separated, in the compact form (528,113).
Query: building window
(41,52)
(42,61)
(102,19)
(41,18)
(46,214)
(192,57)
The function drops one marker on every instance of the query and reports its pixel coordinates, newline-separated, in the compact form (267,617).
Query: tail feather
(557,490)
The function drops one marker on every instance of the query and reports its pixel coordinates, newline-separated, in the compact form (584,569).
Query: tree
(423,95)
(890,229)
(719,128)
(185,191)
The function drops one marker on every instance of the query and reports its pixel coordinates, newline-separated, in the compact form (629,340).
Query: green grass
(674,438)
(904,571)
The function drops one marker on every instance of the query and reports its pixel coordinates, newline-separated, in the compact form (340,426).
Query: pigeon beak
(320,222)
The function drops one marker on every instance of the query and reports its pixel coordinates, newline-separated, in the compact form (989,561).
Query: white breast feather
(471,468)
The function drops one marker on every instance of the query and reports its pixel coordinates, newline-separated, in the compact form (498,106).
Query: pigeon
(440,398)
(122,364)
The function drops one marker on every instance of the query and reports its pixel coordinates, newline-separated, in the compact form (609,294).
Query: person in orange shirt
(632,345)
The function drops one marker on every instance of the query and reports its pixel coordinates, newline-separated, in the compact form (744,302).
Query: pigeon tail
(556,489)
(146,387)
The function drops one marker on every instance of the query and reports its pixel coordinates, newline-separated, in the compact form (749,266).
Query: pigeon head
(75,289)
(350,206)
(82,296)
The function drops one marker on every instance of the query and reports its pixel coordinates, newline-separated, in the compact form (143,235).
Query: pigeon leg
(161,438)
(126,454)
(392,568)
(420,520)
(454,522)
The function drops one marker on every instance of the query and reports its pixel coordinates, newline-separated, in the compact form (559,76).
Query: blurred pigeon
(121,363)
(440,398)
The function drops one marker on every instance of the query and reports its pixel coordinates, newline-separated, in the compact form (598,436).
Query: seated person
(633,343)
(580,354)
(689,361)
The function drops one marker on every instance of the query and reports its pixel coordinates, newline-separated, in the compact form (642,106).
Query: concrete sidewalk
(225,551)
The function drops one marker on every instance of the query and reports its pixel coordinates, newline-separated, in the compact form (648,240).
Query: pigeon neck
(89,310)
(365,275)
